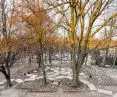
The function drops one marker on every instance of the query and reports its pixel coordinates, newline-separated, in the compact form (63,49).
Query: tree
(8,47)
(40,27)
(78,18)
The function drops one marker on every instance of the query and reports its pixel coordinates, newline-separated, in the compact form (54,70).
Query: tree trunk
(43,70)
(50,56)
(71,55)
(7,74)
(61,57)
(75,76)
(86,59)
(29,60)
(39,59)
(8,79)
(115,57)
(75,68)
(103,62)
(45,57)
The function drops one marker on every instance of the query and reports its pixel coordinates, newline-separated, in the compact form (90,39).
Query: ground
(59,93)
(55,73)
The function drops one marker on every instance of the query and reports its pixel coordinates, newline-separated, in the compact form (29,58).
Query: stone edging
(93,88)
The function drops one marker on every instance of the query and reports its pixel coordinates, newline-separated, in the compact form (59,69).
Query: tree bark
(43,70)
(39,59)
(30,60)
(75,68)
(75,76)
(50,56)
(45,57)
(8,79)
(115,57)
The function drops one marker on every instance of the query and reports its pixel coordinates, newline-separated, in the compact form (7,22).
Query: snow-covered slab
(82,74)
(69,69)
(1,83)
(56,74)
(92,87)
(114,77)
(62,72)
(39,77)
(84,81)
(105,91)
(33,76)
(35,71)
(50,73)
(30,79)
(63,69)
(56,68)
(12,79)
(50,78)
(55,62)
(115,95)
(69,77)
(19,80)
(56,71)
(52,69)
(47,68)
(29,75)
(70,74)
(55,83)
(60,77)
(66,72)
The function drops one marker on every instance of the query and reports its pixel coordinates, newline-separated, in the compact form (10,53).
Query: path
(60,93)
(94,91)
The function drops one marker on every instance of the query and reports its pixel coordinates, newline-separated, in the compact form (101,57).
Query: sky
(98,22)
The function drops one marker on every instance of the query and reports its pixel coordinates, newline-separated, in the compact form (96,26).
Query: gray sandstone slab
(92,87)
(105,91)
(84,81)
(115,95)
(19,80)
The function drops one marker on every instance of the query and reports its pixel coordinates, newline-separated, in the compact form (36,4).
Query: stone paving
(21,93)
(56,75)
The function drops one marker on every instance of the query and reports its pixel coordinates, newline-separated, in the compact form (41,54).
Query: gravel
(67,86)
(37,86)
(98,76)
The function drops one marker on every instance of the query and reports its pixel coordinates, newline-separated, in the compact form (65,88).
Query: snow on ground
(56,74)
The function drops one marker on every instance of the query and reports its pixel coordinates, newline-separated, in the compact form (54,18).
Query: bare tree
(7,44)
(39,25)
(78,18)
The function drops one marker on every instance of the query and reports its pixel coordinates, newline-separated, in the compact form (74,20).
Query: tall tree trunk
(86,59)
(61,56)
(75,76)
(71,55)
(115,57)
(6,73)
(45,57)
(29,60)
(8,80)
(75,67)
(50,56)
(43,69)
(105,57)
(39,59)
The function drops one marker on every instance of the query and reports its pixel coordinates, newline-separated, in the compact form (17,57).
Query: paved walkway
(94,91)
(60,93)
